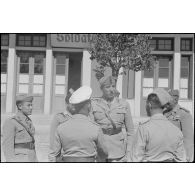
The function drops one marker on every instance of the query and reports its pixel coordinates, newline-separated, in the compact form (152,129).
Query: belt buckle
(110,131)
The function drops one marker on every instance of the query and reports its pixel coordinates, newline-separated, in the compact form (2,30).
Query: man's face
(169,106)
(26,108)
(175,99)
(109,91)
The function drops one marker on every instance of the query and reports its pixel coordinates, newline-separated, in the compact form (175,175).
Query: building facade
(47,65)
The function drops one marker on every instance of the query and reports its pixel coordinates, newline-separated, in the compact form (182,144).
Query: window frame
(4,93)
(190,71)
(31,40)
(7,39)
(191,44)
(157,39)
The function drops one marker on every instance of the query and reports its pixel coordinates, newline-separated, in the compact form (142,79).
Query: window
(31,40)
(160,76)
(60,74)
(186,44)
(162,44)
(4,40)
(4,56)
(186,77)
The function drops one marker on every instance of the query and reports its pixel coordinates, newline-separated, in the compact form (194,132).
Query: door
(60,81)
(161,76)
(31,77)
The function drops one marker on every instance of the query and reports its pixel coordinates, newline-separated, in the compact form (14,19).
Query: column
(138,88)
(11,76)
(86,69)
(48,78)
(119,85)
(177,63)
(48,82)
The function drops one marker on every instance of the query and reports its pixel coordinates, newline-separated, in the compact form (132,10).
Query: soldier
(112,114)
(18,133)
(158,140)
(60,118)
(182,118)
(79,137)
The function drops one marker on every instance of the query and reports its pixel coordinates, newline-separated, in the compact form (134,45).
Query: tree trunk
(115,73)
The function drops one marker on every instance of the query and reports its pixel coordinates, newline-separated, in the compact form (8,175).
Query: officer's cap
(107,80)
(163,95)
(23,98)
(174,92)
(80,95)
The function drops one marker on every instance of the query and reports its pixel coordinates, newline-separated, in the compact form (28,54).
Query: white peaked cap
(80,95)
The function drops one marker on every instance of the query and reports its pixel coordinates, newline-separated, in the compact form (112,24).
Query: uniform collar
(176,108)
(80,116)
(22,116)
(112,103)
(158,116)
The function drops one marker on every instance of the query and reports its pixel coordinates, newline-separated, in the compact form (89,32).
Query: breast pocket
(98,114)
(22,136)
(120,114)
(21,133)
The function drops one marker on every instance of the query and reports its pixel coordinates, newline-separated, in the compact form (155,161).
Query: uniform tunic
(15,133)
(182,118)
(57,120)
(119,112)
(158,140)
(78,137)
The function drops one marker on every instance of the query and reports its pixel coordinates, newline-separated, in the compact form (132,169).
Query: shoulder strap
(26,128)
(185,109)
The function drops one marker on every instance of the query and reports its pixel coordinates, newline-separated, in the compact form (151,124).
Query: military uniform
(79,140)
(58,119)
(182,118)
(158,140)
(18,143)
(112,118)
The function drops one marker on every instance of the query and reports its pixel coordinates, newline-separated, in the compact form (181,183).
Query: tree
(130,51)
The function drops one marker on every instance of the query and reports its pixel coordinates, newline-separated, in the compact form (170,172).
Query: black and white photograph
(104,97)
(97,97)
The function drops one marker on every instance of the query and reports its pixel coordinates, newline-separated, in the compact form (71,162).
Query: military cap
(173,92)
(80,95)
(163,95)
(107,80)
(23,98)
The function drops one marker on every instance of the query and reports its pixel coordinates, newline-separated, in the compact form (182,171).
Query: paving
(41,123)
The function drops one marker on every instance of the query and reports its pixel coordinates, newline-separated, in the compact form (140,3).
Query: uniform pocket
(121,113)
(98,114)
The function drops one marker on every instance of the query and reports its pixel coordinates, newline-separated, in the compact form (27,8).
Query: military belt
(78,159)
(27,145)
(112,131)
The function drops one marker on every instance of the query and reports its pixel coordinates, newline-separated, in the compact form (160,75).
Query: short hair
(68,97)
(79,106)
(154,101)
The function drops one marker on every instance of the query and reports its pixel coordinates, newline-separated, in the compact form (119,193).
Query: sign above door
(71,40)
